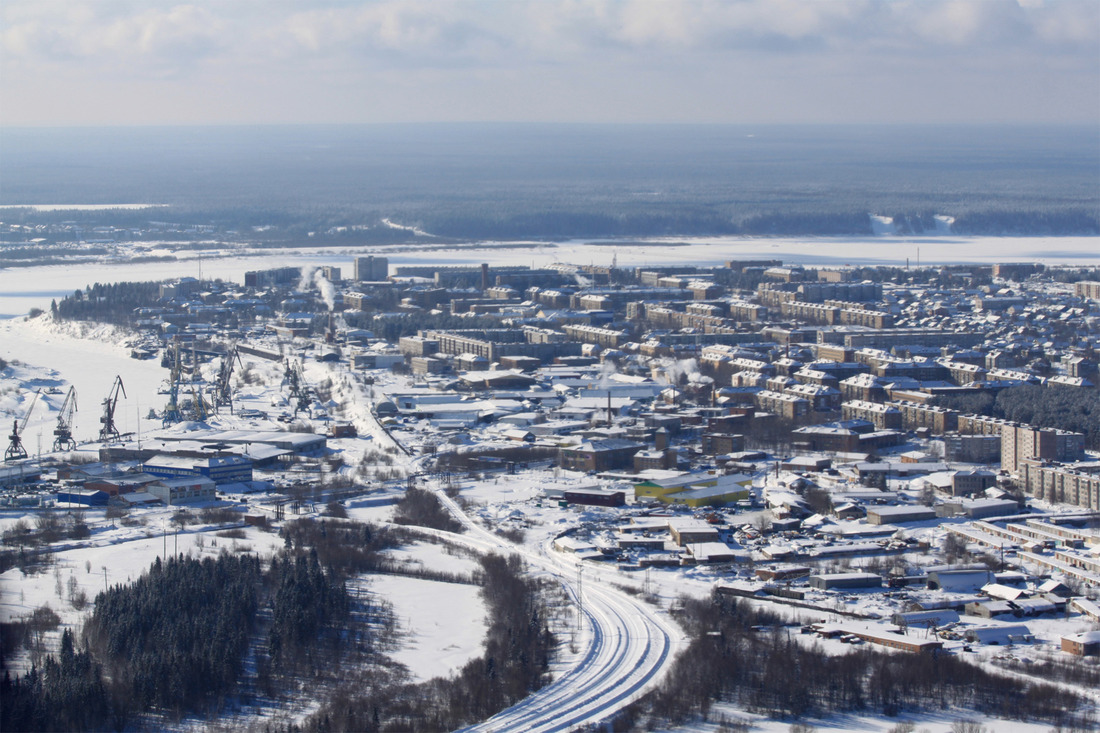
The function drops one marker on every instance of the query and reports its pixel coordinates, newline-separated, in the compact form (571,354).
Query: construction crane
(63,433)
(223,392)
(108,430)
(15,450)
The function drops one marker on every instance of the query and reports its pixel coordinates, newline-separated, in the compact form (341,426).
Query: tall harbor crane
(198,409)
(223,392)
(299,390)
(15,450)
(172,413)
(63,433)
(109,431)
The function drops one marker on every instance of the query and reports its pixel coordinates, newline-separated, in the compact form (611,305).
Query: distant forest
(350,226)
(325,185)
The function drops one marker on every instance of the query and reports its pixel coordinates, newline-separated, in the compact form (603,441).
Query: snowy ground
(115,553)
(444,620)
(441,624)
(87,358)
(942,722)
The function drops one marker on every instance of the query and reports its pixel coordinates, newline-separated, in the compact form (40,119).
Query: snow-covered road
(628,650)
(629,644)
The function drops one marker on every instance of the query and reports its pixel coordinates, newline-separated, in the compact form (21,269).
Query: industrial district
(842,444)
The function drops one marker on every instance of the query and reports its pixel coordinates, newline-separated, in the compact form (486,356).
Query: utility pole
(580,596)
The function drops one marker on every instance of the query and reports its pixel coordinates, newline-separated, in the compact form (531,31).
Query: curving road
(626,655)
(628,648)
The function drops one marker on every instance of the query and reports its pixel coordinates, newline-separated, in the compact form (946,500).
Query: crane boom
(172,412)
(27,416)
(223,394)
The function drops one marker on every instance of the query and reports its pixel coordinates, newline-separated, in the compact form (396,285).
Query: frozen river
(33,287)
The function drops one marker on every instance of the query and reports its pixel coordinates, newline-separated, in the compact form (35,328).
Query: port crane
(109,431)
(172,413)
(15,450)
(223,392)
(63,433)
(299,390)
(199,410)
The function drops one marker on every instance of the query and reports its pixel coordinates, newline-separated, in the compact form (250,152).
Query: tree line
(107,302)
(571,214)
(175,640)
(770,672)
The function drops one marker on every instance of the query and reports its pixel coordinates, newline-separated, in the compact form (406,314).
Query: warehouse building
(839,581)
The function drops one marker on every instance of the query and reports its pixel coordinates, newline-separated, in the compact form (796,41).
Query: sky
(159,62)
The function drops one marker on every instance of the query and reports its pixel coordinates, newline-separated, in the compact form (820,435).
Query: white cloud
(570,54)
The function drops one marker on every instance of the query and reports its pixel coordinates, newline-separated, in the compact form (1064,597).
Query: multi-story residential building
(1087,289)
(370,268)
(1021,442)
(595,335)
(962,448)
(1060,484)
(784,405)
(939,420)
(884,417)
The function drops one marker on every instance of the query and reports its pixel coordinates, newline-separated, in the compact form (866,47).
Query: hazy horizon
(346,61)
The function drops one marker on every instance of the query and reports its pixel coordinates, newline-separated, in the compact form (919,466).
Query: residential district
(837,441)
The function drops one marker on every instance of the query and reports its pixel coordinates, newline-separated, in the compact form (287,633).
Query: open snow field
(88,359)
(441,624)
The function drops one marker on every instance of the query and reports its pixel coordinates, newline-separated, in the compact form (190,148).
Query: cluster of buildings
(841,407)
(696,359)
(184,468)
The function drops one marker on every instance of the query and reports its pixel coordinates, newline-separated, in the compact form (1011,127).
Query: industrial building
(838,581)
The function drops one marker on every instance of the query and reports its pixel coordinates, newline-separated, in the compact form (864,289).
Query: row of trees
(306,601)
(775,674)
(68,693)
(578,213)
(175,640)
(107,302)
(421,507)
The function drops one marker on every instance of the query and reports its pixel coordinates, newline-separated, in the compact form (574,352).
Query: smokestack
(608,408)
(484,276)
